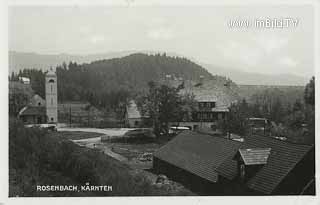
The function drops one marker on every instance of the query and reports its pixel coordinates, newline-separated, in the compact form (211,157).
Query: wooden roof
(33,110)
(132,110)
(208,156)
(282,159)
(255,156)
(199,154)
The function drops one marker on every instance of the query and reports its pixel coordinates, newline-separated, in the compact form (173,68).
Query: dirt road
(113,132)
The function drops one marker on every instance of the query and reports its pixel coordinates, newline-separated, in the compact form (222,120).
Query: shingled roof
(132,110)
(199,154)
(208,156)
(255,156)
(33,110)
(282,159)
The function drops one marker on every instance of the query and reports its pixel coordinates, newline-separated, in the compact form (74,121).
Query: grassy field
(132,151)
(39,157)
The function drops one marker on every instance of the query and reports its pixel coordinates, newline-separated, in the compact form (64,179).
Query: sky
(198,32)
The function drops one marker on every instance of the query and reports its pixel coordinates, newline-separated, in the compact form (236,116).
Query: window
(51,101)
(213,104)
(52,119)
(204,116)
(39,104)
(51,81)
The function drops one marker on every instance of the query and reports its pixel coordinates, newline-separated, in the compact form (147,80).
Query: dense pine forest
(105,83)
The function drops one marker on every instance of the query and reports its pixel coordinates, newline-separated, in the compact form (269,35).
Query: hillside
(253,78)
(21,60)
(111,81)
(287,94)
(130,73)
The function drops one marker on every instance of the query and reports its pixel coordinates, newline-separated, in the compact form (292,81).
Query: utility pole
(70,116)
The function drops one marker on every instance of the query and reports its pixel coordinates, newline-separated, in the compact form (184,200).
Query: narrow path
(113,132)
(96,141)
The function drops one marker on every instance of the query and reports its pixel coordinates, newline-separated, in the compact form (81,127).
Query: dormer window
(250,161)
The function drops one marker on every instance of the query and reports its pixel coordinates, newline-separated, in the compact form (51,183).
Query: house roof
(132,110)
(282,159)
(211,91)
(207,156)
(33,110)
(255,156)
(200,154)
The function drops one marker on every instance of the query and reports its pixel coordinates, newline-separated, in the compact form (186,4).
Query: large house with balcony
(213,99)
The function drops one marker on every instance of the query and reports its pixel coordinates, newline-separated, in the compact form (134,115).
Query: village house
(38,110)
(133,117)
(34,112)
(213,98)
(219,166)
(78,112)
(19,96)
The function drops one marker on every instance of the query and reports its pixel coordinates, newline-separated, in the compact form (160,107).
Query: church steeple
(51,97)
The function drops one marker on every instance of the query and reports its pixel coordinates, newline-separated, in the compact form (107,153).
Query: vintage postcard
(161,100)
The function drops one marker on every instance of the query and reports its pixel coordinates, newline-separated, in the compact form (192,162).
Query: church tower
(51,97)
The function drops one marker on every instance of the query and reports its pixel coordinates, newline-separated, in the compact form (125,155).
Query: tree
(309,99)
(237,119)
(164,105)
(309,92)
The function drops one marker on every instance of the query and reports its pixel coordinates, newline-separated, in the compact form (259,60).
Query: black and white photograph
(160,100)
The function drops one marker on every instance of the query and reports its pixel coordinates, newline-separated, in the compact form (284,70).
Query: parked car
(176,130)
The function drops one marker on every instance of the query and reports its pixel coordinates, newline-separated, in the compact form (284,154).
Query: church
(40,111)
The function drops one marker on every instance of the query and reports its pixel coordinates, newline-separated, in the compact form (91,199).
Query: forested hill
(130,73)
(137,69)
(119,77)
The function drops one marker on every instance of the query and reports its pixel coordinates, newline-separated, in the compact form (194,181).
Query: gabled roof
(200,154)
(211,91)
(282,159)
(33,110)
(208,156)
(132,110)
(255,156)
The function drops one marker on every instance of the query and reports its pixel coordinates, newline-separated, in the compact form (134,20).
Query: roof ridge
(281,141)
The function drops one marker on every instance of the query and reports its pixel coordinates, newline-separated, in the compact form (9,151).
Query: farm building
(78,112)
(218,166)
(133,117)
(34,112)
